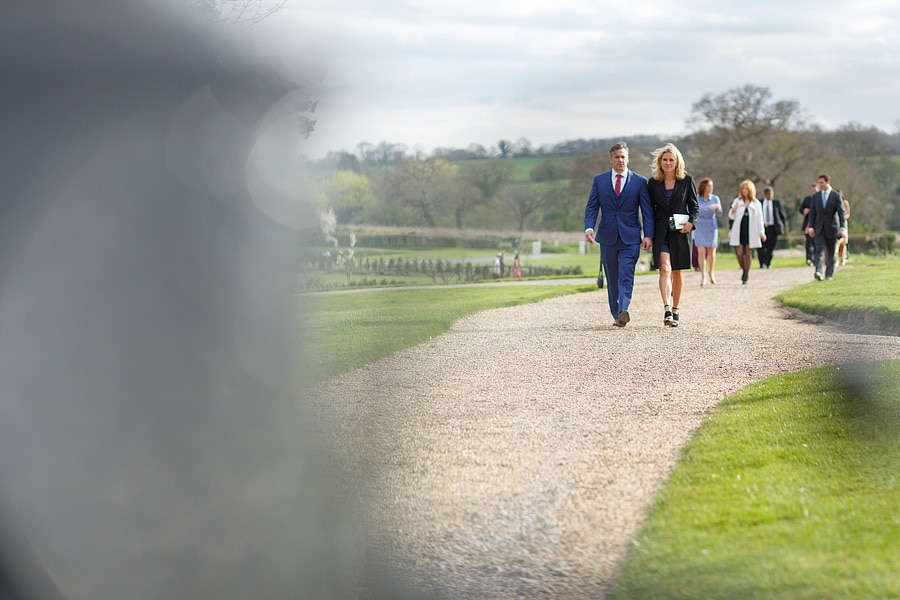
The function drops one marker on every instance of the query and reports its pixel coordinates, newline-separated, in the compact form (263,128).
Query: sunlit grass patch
(789,490)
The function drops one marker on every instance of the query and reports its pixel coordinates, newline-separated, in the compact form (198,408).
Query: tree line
(735,135)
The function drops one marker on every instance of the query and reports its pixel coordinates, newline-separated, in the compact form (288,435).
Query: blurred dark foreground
(151,441)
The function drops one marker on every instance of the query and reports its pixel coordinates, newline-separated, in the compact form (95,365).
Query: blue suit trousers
(619,262)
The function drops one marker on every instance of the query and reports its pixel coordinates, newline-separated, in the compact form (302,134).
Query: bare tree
(741,134)
(247,13)
(859,143)
(241,13)
(864,171)
(384,153)
(483,179)
(523,147)
(429,186)
(523,201)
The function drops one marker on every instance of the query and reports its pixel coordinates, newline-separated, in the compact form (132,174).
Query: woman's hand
(687,227)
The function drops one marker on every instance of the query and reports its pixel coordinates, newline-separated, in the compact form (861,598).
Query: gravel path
(516,455)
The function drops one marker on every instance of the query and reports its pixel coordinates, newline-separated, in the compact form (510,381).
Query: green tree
(348,194)
(505,148)
(550,169)
(348,162)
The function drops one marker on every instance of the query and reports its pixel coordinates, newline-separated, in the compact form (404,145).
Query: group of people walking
(626,213)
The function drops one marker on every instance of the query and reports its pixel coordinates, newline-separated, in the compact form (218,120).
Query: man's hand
(589,236)
(811,232)
(647,243)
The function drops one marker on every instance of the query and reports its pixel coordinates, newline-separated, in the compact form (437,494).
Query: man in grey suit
(616,197)
(826,223)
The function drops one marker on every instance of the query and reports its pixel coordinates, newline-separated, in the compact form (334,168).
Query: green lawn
(867,295)
(345,330)
(789,490)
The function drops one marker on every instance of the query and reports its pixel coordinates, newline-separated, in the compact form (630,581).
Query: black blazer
(684,201)
(778,214)
(807,203)
(829,219)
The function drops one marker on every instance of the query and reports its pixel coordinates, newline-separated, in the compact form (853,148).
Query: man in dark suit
(809,242)
(616,197)
(774,219)
(826,224)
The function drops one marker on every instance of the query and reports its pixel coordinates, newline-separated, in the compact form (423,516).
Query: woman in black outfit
(674,198)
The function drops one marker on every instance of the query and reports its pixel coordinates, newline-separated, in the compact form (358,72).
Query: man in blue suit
(616,197)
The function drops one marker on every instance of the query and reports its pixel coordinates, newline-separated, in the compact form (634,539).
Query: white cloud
(453,72)
(503,9)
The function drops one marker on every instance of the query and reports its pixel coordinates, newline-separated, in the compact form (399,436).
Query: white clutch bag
(677,220)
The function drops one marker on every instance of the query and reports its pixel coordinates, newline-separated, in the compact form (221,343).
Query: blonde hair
(751,188)
(655,167)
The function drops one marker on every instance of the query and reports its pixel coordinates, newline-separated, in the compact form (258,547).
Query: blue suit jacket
(619,218)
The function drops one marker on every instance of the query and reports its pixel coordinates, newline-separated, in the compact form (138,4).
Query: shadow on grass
(870,400)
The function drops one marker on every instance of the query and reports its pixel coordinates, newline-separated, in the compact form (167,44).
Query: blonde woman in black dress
(674,199)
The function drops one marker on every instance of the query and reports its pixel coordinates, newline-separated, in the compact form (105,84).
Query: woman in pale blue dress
(706,236)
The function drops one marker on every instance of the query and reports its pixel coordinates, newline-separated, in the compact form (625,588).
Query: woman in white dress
(748,231)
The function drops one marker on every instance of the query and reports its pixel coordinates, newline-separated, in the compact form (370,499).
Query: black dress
(681,200)
(745,227)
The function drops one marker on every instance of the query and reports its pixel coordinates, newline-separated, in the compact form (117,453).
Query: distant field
(554,255)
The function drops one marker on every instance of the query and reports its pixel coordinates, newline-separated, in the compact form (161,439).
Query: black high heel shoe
(668,318)
(674,316)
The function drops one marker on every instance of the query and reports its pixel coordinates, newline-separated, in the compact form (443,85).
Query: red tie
(618,183)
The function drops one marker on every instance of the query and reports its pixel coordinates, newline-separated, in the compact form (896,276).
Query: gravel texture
(516,456)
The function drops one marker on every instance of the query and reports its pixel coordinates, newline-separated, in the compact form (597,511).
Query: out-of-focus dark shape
(151,444)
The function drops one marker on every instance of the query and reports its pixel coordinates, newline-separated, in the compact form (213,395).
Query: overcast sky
(448,73)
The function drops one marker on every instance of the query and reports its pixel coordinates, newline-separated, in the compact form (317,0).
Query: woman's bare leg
(701,260)
(665,278)
(677,287)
